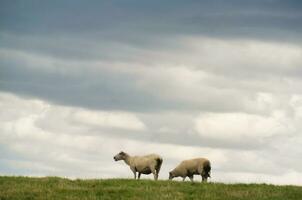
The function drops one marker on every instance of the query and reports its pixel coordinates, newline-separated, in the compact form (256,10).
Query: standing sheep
(142,164)
(201,166)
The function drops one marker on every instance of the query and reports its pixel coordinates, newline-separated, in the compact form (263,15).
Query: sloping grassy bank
(59,188)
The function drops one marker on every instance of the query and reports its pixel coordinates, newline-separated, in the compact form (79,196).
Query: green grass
(59,188)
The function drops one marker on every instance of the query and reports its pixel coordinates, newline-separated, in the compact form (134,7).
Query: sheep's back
(147,160)
(193,164)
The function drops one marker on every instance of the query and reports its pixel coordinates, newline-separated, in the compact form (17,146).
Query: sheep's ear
(122,153)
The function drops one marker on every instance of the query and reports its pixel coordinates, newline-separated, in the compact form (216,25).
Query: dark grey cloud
(107,90)
(184,79)
(129,20)
(102,90)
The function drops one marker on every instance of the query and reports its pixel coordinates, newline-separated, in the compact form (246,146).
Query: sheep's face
(120,156)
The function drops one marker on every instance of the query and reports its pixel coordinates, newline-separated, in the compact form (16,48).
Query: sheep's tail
(207,169)
(159,162)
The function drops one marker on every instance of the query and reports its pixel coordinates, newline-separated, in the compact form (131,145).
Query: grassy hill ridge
(59,188)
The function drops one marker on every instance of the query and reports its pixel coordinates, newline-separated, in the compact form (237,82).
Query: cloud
(55,151)
(135,20)
(116,120)
(238,126)
(80,82)
(47,139)
(166,80)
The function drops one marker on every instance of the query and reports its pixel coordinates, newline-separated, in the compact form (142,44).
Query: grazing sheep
(191,167)
(142,164)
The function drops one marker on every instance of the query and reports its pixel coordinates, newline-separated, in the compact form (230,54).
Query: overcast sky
(82,80)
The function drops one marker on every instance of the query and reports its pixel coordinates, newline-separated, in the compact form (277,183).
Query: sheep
(142,164)
(201,166)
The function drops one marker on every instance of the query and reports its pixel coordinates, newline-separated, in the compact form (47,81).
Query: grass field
(59,188)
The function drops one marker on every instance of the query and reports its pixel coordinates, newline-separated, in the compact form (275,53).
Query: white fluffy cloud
(109,119)
(240,126)
(55,151)
(70,146)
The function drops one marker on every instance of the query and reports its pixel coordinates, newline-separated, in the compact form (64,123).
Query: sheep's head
(120,156)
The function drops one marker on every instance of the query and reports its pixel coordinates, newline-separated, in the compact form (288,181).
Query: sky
(82,80)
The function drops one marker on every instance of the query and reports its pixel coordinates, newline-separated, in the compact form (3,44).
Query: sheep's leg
(134,172)
(191,178)
(139,175)
(203,175)
(183,178)
(156,176)
(154,173)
